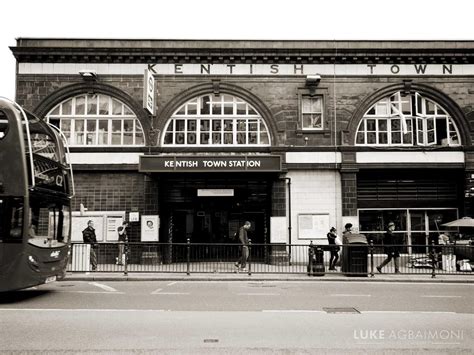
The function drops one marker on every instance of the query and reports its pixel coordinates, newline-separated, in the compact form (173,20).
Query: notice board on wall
(313,225)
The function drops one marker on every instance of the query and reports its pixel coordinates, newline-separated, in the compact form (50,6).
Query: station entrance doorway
(210,208)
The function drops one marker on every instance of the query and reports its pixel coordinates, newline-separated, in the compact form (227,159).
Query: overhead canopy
(462,222)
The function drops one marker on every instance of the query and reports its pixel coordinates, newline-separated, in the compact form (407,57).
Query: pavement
(339,277)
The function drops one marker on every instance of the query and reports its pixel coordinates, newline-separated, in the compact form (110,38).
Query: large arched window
(223,120)
(96,120)
(407,120)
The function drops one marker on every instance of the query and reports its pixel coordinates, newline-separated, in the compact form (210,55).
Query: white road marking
(410,312)
(440,296)
(102,286)
(79,310)
(156,291)
(258,294)
(172,283)
(291,311)
(171,293)
(348,295)
(99,292)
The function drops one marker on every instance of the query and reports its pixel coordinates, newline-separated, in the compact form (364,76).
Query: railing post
(310,257)
(249,259)
(371,249)
(433,262)
(188,256)
(125,262)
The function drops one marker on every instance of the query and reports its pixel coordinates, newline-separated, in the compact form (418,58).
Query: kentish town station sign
(178,163)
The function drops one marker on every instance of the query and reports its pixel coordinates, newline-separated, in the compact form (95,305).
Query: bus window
(3,124)
(11,219)
(51,222)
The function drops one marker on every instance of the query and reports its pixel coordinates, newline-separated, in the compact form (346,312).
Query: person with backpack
(241,264)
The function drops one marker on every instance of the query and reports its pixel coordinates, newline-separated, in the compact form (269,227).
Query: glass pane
(181,110)
(430,123)
(216,138)
(371,138)
(139,139)
(241,108)
(252,111)
(241,138)
(103,105)
(228,108)
(128,125)
(264,139)
(180,125)
(228,138)
(205,125)
(65,125)
(216,108)
(103,132)
(360,138)
(216,125)
(406,105)
(80,105)
(126,110)
(383,138)
(192,125)
(407,138)
(191,138)
(396,138)
(205,138)
(116,132)
(395,125)
(381,109)
(116,107)
(430,107)
(370,125)
(253,125)
(91,132)
(168,138)
(92,104)
(228,125)
(192,109)
(306,105)
(79,131)
(67,107)
(252,138)
(205,109)
(316,105)
(55,111)
(307,120)
(382,125)
(371,111)
(241,125)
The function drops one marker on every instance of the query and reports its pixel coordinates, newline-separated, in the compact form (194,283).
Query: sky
(225,19)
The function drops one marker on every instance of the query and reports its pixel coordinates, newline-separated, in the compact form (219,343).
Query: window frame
(303,112)
(86,118)
(211,124)
(419,128)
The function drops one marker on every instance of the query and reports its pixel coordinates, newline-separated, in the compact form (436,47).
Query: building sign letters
(153,163)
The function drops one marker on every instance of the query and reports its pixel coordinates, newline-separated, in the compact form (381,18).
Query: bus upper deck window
(3,124)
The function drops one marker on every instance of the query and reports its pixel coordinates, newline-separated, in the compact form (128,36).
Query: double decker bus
(36,187)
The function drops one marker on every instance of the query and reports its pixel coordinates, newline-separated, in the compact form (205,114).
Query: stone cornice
(311,52)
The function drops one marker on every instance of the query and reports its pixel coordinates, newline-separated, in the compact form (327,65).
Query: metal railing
(353,259)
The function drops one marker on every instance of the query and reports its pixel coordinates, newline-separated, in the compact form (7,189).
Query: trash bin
(316,261)
(354,255)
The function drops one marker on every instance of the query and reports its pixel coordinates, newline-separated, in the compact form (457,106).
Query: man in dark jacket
(332,236)
(88,235)
(243,238)
(122,240)
(392,247)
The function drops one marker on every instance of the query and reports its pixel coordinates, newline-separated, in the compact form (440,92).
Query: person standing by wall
(392,247)
(332,241)
(122,240)
(89,237)
(241,264)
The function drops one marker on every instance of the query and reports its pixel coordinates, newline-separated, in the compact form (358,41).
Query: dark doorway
(214,219)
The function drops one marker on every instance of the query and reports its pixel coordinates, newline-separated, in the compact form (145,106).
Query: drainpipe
(288,180)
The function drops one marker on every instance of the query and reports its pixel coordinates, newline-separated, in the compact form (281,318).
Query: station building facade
(294,136)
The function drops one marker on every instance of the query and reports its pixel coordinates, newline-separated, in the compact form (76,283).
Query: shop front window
(407,120)
(223,120)
(96,120)
(419,226)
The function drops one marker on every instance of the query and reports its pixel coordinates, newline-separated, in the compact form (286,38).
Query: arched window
(96,120)
(218,121)
(407,120)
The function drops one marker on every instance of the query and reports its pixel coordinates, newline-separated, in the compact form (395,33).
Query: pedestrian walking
(241,264)
(334,248)
(89,237)
(122,240)
(392,247)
